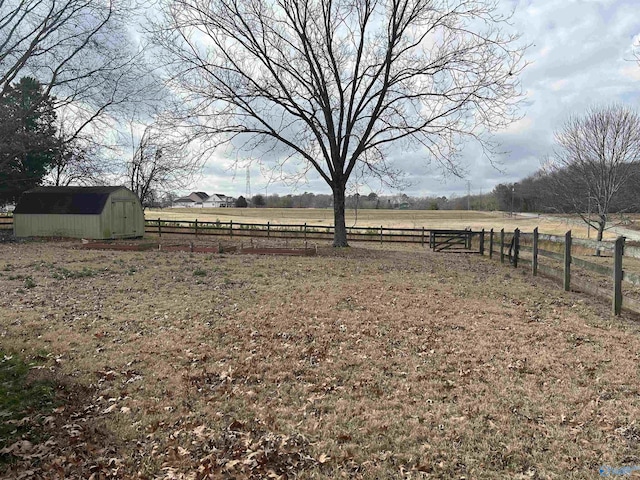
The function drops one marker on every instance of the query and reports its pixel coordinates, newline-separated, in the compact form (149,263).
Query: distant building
(80,212)
(219,200)
(202,200)
(193,200)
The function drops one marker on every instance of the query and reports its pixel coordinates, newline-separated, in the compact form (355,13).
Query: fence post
(305,231)
(381,234)
(516,247)
(231,228)
(196,227)
(422,241)
(268,229)
(534,260)
(491,243)
(567,261)
(482,242)
(159,228)
(502,245)
(468,239)
(617,275)
(432,239)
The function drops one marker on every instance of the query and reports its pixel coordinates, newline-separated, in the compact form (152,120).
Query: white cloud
(581,54)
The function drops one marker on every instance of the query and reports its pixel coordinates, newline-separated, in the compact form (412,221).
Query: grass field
(357,363)
(454,219)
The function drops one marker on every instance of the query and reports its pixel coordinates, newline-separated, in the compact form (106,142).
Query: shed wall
(41,225)
(121,217)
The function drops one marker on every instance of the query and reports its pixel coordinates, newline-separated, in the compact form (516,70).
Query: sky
(581,55)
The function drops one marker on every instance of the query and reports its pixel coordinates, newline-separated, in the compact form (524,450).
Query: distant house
(81,212)
(193,200)
(219,200)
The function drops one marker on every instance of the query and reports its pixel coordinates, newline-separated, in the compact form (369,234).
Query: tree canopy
(330,85)
(596,158)
(28,142)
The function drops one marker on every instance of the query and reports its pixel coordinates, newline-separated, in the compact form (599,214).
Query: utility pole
(513,189)
(248,192)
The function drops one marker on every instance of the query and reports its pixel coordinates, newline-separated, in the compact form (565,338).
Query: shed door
(123,222)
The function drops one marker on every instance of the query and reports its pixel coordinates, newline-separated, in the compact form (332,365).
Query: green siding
(79,226)
(122,217)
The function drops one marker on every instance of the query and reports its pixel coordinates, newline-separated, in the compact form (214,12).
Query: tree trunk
(340,231)
(602,223)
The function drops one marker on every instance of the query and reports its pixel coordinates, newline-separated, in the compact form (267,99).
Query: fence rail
(6,222)
(560,250)
(304,231)
(566,257)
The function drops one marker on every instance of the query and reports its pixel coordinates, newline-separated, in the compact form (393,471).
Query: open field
(357,363)
(453,219)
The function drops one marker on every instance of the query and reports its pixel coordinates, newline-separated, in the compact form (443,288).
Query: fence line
(509,245)
(568,257)
(304,231)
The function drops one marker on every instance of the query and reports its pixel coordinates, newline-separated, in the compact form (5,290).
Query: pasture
(449,219)
(362,363)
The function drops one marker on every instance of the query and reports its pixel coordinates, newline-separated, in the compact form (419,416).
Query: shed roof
(65,200)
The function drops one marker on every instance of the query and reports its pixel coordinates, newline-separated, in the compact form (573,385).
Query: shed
(82,212)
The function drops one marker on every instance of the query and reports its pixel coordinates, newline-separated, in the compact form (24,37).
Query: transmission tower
(248,192)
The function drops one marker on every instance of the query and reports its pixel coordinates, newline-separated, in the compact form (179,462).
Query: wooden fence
(560,253)
(563,252)
(6,222)
(304,231)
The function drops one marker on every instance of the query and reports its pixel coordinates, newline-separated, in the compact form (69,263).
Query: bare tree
(331,84)
(83,54)
(595,160)
(160,161)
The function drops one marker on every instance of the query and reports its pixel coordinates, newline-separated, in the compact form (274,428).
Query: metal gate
(450,240)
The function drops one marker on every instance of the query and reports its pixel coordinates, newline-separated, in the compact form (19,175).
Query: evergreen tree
(28,140)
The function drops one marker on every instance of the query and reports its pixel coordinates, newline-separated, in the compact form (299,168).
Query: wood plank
(630,304)
(567,261)
(550,272)
(594,267)
(548,254)
(617,276)
(578,285)
(633,252)
(629,277)
(601,246)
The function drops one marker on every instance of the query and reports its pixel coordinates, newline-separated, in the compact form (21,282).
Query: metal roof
(65,200)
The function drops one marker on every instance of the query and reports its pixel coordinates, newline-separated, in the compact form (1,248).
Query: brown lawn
(360,363)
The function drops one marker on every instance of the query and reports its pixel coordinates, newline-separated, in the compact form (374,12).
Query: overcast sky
(581,55)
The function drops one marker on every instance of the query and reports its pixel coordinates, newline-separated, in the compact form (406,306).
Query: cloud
(581,54)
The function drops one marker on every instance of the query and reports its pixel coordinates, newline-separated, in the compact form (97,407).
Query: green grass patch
(199,272)
(62,273)
(20,396)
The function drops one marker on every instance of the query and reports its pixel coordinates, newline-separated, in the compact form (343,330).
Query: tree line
(375,201)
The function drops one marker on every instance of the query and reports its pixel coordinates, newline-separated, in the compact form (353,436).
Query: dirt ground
(356,363)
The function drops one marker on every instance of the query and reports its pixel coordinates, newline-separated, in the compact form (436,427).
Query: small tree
(258,201)
(595,159)
(241,202)
(159,161)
